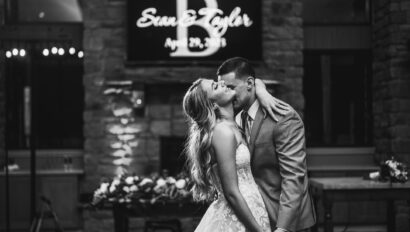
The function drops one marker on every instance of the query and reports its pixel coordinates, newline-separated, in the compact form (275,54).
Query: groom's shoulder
(289,114)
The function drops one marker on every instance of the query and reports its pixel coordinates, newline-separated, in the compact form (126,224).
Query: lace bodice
(220,216)
(243,169)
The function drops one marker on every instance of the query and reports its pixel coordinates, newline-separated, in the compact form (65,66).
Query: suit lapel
(255,129)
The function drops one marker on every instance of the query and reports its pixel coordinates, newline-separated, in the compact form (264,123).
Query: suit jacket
(278,161)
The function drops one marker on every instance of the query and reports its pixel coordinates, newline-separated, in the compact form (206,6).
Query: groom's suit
(278,161)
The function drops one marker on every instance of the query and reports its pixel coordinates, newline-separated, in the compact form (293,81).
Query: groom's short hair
(240,66)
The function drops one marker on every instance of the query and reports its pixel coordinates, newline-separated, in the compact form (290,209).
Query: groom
(278,153)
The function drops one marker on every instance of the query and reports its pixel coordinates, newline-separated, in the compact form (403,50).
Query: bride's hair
(202,116)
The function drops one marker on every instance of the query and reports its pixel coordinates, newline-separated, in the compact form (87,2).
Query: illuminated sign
(193,30)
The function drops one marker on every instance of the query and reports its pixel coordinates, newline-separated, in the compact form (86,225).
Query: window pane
(337,89)
(59,107)
(56,83)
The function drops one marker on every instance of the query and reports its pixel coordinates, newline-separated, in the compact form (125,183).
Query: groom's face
(241,98)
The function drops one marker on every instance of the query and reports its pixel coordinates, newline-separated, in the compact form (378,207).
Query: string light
(15,51)
(61,51)
(22,52)
(54,50)
(71,51)
(46,52)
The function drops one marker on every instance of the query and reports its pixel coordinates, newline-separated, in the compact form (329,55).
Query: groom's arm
(290,147)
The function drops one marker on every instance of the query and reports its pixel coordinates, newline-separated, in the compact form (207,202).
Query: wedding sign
(193,30)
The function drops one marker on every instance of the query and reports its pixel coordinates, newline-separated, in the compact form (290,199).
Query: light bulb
(54,50)
(8,54)
(71,51)
(46,52)
(22,52)
(61,51)
(80,54)
(15,51)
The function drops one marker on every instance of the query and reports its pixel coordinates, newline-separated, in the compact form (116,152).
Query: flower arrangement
(391,170)
(152,189)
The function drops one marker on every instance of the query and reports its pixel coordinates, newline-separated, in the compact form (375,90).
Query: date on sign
(195,42)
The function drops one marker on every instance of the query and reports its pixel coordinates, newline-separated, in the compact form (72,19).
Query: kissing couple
(252,165)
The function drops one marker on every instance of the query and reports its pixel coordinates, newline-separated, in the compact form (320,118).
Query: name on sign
(178,30)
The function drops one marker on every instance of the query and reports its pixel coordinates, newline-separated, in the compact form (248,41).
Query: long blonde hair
(202,116)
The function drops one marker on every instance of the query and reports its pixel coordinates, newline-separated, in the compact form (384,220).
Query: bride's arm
(224,144)
(268,102)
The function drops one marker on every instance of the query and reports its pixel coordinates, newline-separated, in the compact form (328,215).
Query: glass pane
(56,83)
(337,89)
(59,108)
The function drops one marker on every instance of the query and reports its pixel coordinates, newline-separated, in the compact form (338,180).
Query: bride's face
(218,92)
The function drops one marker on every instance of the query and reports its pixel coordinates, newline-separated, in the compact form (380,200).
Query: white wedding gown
(220,216)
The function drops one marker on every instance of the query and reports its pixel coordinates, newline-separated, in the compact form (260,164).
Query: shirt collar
(253,110)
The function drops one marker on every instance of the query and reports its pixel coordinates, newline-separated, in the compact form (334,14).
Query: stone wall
(391,68)
(391,102)
(104,62)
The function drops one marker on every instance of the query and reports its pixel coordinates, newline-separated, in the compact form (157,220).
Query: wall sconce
(138,99)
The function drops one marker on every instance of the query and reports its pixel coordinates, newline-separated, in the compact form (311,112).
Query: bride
(219,162)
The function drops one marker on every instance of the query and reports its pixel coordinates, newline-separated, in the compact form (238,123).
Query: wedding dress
(220,216)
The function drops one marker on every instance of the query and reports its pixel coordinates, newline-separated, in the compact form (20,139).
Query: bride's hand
(268,102)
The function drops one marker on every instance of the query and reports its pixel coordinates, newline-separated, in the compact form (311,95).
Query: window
(57,109)
(337,88)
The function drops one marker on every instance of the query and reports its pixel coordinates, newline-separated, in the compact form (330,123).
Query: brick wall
(391,69)
(391,103)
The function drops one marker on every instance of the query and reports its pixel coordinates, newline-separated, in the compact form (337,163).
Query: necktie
(245,125)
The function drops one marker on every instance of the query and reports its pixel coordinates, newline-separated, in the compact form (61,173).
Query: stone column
(391,87)
(391,78)
(283,48)
(104,51)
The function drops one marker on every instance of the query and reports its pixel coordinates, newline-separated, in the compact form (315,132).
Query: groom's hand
(268,102)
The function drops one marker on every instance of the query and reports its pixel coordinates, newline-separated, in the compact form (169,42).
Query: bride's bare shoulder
(225,131)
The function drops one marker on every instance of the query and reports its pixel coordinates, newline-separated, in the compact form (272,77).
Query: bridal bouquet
(391,170)
(156,188)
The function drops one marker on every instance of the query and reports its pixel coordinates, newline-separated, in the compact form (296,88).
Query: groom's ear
(250,82)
